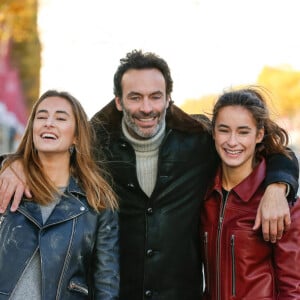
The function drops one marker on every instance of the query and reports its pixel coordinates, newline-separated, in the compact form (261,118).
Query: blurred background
(210,45)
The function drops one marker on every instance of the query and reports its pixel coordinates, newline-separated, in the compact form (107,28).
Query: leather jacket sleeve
(287,259)
(280,168)
(106,275)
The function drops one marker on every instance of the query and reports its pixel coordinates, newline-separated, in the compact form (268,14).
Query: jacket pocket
(205,260)
(233,269)
(78,287)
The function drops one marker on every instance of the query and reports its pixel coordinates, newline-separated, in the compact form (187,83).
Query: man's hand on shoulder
(273,213)
(12,186)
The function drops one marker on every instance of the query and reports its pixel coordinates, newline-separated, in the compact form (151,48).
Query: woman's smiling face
(236,135)
(54,126)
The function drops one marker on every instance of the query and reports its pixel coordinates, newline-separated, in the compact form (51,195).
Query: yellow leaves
(284,84)
(18,19)
(18,24)
(203,105)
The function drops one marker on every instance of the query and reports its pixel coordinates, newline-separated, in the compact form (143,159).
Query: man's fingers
(12,187)
(266,230)
(280,228)
(287,222)
(27,192)
(17,197)
(273,229)
(6,194)
(257,222)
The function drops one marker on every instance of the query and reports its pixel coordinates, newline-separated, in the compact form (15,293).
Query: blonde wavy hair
(90,176)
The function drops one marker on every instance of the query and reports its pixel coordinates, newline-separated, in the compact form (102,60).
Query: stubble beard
(136,129)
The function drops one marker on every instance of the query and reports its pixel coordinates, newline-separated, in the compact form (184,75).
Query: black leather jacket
(159,236)
(78,248)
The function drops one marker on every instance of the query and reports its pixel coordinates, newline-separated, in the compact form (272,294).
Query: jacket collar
(71,205)
(110,119)
(247,188)
(74,187)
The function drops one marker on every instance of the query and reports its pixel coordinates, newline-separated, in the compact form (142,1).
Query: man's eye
(243,132)
(156,97)
(134,98)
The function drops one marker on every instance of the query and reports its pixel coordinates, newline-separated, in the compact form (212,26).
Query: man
(161,161)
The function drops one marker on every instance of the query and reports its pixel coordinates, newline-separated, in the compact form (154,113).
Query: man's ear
(118,103)
(168,101)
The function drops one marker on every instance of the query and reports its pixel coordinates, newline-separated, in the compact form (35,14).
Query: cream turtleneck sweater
(146,152)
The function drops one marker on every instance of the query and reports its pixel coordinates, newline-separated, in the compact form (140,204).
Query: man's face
(144,102)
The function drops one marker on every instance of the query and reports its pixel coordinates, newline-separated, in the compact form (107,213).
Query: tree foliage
(284,84)
(203,105)
(18,23)
(282,87)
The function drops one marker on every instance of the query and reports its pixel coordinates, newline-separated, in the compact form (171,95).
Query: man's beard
(136,129)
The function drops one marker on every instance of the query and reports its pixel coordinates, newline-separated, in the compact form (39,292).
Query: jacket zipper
(218,268)
(206,261)
(75,287)
(232,245)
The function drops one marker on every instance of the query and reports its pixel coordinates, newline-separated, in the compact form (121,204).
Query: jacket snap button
(130,185)
(150,252)
(123,145)
(148,293)
(149,210)
(82,208)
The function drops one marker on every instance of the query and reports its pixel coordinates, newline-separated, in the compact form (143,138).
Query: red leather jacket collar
(246,189)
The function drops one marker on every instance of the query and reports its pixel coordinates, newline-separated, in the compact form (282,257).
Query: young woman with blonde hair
(63,242)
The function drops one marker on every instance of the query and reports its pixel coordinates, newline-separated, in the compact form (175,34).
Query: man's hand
(12,186)
(273,213)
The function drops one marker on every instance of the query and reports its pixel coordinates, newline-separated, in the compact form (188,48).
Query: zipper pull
(221,220)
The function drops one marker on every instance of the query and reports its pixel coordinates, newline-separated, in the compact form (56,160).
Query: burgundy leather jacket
(238,263)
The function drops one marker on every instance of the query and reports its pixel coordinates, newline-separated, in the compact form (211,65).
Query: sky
(209,45)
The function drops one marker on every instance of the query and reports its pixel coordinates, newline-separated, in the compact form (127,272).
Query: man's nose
(146,106)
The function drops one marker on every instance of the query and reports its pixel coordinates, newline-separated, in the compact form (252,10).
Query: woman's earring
(72,149)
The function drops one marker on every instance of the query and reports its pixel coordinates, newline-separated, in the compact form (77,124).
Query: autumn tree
(18,19)
(203,105)
(284,84)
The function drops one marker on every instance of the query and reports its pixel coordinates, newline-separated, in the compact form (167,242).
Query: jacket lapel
(68,208)
(32,211)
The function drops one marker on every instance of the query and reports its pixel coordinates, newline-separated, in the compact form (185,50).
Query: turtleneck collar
(145,145)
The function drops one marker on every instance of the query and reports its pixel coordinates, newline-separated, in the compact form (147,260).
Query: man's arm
(13,186)
(273,212)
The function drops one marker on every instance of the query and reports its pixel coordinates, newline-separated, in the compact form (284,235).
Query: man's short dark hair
(139,60)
